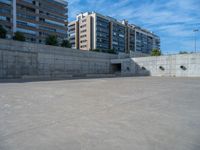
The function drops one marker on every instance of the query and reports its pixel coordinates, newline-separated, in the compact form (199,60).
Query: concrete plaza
(101,114)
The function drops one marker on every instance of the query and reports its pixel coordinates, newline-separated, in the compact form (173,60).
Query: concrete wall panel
(19,59)
(187,65)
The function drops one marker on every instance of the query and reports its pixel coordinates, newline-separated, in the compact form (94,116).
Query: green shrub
(52,40)
(111,51)
(156,52)
(19,36)
(183,52)
(66,43)
(3,32)
(96,50)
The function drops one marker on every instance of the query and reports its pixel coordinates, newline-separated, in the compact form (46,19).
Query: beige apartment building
(37,19)
(80,32)
(73,29)
(92,31)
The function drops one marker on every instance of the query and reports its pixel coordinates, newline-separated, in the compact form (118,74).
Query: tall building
(37,19)
(92,31)
(73,29)
(141,40)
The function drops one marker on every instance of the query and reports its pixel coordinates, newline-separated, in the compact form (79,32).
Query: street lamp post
(195,39)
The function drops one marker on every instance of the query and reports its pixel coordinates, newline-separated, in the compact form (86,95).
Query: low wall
(183,65)
(21,59)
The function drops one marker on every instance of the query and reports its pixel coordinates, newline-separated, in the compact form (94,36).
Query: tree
(66,43)
(52,40)
(19,36)
(3,32)
(155,52)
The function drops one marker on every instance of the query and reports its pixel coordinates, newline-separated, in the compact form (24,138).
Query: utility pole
(195,39)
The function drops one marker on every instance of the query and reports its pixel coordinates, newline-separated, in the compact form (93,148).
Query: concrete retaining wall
(25,60)
(21,60)
(185,65)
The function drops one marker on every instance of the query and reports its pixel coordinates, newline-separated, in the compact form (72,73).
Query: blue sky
(172,20)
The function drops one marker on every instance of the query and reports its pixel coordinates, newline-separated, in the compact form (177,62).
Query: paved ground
(101,114)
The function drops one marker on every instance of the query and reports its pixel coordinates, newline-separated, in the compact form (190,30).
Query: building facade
(37,19)
(93,31)
(141,40)
(73,28)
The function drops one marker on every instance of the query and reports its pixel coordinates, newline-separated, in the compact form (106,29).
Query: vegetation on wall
(183,52)
(52,40)
(156,52)
(110,51)
(19,36)
(3,32)
(96,50)
(66,43)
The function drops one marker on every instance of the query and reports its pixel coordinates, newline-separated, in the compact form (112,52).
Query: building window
(83,26)
(26,31)
(54,22)
(83,41)
(5,10)
(25,8)
(29,24)
(3,18)
(53,9)
(83,46)
(53,15)
(82,36)
(8,2)
(30,1)
(83,31)
(26,16)
(47,29)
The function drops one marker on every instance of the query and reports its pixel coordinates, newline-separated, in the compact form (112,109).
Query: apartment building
(141,40)
(85,31)
(95,31)
(72,28)
(6,17)
(118,36)
(37,19)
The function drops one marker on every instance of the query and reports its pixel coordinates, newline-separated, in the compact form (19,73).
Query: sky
(172,20)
